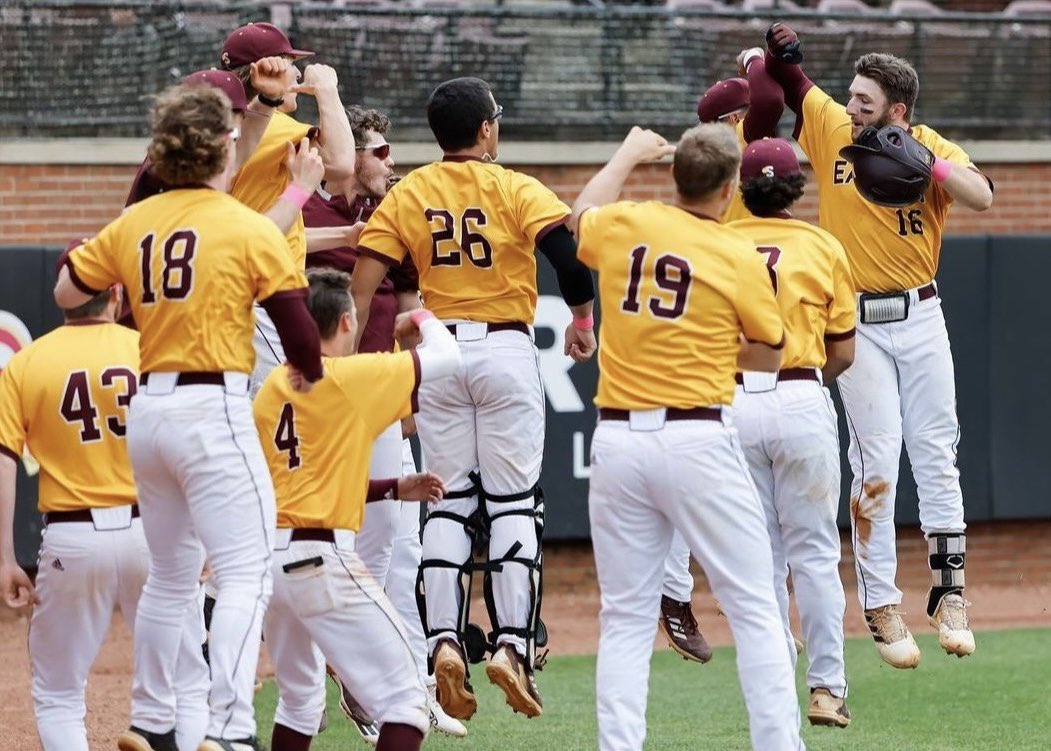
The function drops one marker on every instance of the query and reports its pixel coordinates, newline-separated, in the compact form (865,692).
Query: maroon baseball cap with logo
(722,98)
(255,41)
(223,80)
(769,157)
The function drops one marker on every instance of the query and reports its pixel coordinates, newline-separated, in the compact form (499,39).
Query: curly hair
(189,141)
(764,195)
(362,120)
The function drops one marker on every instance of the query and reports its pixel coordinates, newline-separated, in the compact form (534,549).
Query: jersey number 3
(177,253)
(670,273)
(285,438)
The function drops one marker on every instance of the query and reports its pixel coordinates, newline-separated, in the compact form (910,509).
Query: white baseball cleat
(440,721)
(893,640)
(954,632)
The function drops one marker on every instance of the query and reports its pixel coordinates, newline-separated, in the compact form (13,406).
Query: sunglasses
(233,134)
(381,152)
(498,114)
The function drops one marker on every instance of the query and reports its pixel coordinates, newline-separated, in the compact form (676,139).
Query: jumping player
(472,229)
(678,290)
(787,421)
(318,449)
(193,259)
(65,396)
(902,383)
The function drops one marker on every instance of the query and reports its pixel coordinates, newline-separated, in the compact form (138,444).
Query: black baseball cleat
(137,739)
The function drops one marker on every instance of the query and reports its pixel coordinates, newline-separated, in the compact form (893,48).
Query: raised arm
(767,97)
(306,169)
(336,140)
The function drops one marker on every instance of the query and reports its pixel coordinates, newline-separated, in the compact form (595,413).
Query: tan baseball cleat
(508,670)
(893,640)
(826,709)
(455,693)
(954,632)
(798,643)
(679,626)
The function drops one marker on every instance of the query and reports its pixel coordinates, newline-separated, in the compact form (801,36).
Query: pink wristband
(296,196)
(584,324)
(941,169)
(420,315)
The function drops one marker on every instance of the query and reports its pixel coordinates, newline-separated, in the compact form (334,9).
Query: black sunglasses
(381,152)
(498,114)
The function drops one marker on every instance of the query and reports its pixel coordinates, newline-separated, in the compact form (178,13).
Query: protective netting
(562,72)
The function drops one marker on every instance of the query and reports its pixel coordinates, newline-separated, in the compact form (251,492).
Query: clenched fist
(783,43)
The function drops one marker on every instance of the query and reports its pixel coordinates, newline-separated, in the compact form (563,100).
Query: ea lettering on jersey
(842,172)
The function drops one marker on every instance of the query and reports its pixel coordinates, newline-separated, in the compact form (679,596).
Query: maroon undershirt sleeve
(378,490)
(795,84)
(297,331)
(768,102)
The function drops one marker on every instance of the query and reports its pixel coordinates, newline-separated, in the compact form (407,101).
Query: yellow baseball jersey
(889,249)
(192,261)
(676,291)
(318,445)
(471,228)
(809,272)
(736,209)
(263,178)
(66,396)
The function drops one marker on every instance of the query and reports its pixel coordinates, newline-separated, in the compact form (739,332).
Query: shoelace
(890,623)
(953,613)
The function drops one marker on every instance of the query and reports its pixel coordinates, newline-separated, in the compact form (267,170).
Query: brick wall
(50,204)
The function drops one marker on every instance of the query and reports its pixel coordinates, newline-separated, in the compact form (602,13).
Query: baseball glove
(891,168)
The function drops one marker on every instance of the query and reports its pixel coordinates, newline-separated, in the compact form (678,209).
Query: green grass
(996,700)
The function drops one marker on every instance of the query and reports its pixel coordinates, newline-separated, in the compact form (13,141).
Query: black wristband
(270,102)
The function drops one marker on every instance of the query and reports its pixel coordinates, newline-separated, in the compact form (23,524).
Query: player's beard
(372,185)
(880,122)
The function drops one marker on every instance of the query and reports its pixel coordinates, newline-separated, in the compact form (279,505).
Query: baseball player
(901,384)
(787,421)
(472,228)
(65,396)
(678,290)
(318,450)
(193,259)
(727,102)
(332,217)
(265,178)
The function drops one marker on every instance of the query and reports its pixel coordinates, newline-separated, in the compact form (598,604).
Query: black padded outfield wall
(992,291)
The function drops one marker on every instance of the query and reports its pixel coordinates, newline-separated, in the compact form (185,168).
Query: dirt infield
(1009,575)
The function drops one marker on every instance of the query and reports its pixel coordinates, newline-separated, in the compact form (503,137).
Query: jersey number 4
(78,406)
(670,273)
(285,438)
(177,255)
(472,242)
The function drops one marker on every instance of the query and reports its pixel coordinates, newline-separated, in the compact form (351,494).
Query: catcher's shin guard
(534,633)
(470,636)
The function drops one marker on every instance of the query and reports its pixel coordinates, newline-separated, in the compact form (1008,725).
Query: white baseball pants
(334,610)
(489,418)
(901,385)
(268,350)
(791,443)
(689,475)
(204,487)
(678,581)
(85,571)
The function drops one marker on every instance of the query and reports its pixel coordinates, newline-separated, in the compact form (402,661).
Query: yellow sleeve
(381,237)
(842,311)
(590,235)
(537,209)
(94,264)
(393,383)
(821,115)
(755,302)
(271,262)
(12,419)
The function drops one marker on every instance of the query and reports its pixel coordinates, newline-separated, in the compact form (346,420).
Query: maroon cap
(770,157)
(722,98)
(225,81)
(254,42)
